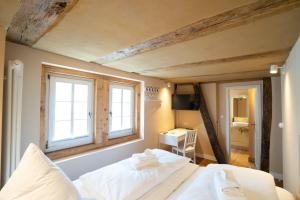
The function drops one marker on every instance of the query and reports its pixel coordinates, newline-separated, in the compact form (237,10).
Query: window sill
(75,151)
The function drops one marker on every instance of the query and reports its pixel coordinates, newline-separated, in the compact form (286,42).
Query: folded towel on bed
(143,160)
(227,188)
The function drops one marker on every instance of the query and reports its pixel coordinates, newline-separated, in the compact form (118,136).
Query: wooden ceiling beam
(235,17)
(222,77)
(270,54)
(35,18)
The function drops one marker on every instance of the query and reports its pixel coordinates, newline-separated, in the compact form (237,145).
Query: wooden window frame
(69,142)
(129,131)
(101,111)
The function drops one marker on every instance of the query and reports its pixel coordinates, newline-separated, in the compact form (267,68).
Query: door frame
(258,120)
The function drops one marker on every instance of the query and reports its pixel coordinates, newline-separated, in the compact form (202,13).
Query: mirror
(240,107)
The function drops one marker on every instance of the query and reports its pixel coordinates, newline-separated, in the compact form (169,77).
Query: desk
(172,137)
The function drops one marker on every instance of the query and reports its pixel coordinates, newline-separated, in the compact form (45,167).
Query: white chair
(189,144)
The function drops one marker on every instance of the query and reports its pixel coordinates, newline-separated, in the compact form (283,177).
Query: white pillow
(36,178)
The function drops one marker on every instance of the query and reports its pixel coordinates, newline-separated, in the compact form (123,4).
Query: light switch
(280,125)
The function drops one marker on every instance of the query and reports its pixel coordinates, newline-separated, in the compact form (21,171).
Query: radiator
(12,118)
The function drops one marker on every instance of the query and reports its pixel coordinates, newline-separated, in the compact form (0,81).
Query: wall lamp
(274,69)
(169,85)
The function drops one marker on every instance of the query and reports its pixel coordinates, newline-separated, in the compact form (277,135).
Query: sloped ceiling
(93,29)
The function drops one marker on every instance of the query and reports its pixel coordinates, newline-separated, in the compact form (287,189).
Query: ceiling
(232,48)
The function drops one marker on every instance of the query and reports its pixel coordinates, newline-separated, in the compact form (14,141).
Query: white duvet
(176,179)
(120,181)
(257,185)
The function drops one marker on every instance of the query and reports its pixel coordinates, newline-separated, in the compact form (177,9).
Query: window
(70,112)
(83,111)
(121,104)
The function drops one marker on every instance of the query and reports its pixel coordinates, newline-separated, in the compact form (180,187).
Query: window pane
(116,123)
(62,130)
(116,109)
(126,109)
(63,91)
(80,110)
(126,123)
(63,111)
(81,92)
(80,128)
(127,95)
(116,95)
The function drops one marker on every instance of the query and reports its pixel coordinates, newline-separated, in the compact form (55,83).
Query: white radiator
(12,118)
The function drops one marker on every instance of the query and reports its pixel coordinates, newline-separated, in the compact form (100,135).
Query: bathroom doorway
(244,125)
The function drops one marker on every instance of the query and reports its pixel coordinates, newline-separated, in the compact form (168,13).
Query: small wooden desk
(172,137)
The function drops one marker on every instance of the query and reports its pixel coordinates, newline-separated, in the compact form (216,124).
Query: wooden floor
(204,162)
(240,158)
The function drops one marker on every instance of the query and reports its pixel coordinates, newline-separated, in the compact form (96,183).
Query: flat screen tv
(184,102)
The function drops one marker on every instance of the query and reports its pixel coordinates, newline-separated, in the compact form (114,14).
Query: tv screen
(184,102)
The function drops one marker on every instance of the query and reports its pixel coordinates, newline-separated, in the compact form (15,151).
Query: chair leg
(194,157)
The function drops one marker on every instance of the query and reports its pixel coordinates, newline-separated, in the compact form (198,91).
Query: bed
(161,176)
(178,180)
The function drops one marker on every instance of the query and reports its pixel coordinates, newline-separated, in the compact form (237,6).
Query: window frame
(123,132)
(51,89)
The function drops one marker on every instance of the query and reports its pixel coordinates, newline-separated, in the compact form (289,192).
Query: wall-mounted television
(184,102)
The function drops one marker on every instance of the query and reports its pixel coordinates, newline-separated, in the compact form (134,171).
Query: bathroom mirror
(240,108)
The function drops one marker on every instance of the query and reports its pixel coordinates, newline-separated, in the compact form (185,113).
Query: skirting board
(277,175)
(206,156)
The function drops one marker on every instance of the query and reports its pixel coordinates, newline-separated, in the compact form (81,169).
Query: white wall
(276,132)
(291,120)
(154,111)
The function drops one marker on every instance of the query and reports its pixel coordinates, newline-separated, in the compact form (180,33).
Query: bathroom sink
(240,124)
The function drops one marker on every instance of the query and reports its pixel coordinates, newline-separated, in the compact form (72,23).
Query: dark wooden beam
(210,129)
(270,54)
(235,17)
(266,124)
(34,18)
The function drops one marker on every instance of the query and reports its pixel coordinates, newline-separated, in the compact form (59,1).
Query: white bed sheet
(193,182)
(256,184)
(284,194)
(171,184)
(120,181)
(197,189)
(159,192)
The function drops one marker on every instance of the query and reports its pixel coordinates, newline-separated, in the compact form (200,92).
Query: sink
(240,124)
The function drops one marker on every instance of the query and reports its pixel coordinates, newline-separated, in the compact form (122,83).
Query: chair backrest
(190,138)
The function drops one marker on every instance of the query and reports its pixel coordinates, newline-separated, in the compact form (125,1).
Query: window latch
(90,114)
